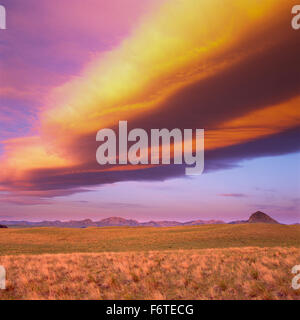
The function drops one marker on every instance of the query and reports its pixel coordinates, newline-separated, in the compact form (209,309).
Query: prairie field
(120,239)
(236,273)
(251,261)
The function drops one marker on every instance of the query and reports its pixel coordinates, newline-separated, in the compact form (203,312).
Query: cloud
(120,205)
(5,217)
(24,201)
(234,195)
(44,47)
(221,75)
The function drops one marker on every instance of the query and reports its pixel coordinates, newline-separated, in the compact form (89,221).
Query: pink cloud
(233,195)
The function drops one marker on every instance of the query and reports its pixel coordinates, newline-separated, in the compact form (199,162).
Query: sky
(67,71)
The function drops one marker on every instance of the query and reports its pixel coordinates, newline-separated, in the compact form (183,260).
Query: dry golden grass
(118,239)
(232,273)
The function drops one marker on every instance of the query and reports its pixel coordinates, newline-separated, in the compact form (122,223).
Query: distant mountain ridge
(257,217)
(108,222)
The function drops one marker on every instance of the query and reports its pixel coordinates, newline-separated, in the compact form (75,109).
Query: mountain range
(108,222)
(257,217)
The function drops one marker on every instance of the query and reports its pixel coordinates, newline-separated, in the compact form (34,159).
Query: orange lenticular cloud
(29,153)
(182,42)
(179,43)
(255,125)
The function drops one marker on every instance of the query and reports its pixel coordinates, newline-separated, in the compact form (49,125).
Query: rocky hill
(257,217)
(260,217)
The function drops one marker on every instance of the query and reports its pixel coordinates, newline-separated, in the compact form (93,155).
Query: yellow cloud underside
(178,44)
(29,153)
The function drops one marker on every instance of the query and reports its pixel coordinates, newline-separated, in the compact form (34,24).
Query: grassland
(237,273)
(250,261)
(120,239)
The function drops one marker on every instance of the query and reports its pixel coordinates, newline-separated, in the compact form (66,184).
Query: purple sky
(49,43)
